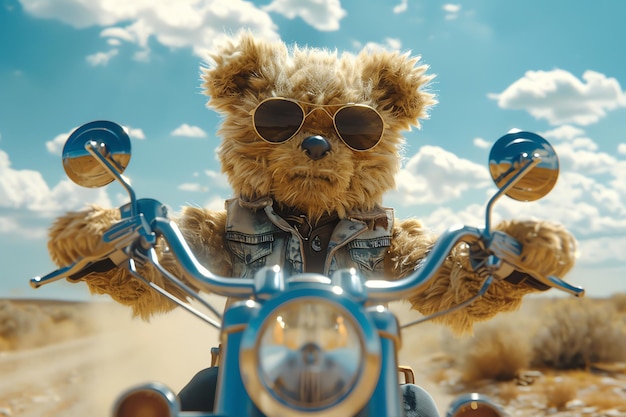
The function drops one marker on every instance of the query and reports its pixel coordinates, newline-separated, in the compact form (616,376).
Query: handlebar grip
(99,266)
(73,272)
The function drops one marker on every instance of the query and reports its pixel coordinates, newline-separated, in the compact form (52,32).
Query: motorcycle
(306,345)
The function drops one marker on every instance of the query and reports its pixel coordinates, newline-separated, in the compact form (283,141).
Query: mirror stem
(94,148)
(532,161)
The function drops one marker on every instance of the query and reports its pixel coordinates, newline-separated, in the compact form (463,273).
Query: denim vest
(257,236)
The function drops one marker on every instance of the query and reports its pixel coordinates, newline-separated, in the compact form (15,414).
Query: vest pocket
(369,254)
(250,252)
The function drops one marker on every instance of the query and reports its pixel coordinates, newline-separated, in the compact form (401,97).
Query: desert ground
(552,358)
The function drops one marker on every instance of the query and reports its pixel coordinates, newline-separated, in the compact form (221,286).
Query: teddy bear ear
(399,85)
(240,67)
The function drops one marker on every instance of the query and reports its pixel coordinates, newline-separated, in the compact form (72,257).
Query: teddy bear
(311,140)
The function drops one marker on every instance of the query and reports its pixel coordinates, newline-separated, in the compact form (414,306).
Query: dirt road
(83,377)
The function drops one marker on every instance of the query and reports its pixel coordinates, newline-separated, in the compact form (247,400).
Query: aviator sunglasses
(278,119)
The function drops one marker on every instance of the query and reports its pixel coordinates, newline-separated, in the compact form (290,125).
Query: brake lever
(65,272)
(121,236)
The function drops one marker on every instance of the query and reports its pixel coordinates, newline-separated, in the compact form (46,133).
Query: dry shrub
(605,400)
(575,333)
(508,392)
(25,325)
(619,302)
(499,350)
(440,375)
(560,391)
(19,325)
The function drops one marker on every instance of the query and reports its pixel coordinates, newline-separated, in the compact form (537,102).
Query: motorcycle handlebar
(377,290)
(193,271)
(384,291)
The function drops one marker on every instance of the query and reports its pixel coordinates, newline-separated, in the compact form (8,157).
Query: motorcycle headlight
(311,355)
(149,400)
(475,405)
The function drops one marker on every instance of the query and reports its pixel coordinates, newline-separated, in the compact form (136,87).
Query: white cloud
(323,15)
(211,181)
(101,58)
(442,218)
(55,146)
(451,11)
(402,7)
(621,148)
(434,175)
(193,187)
(581,155)
(135,133)
(26,189)
(392,44)
(559,97)
(481,143)
(215,203)
(8,225)
(21,229)
(195,24)
(564,132)
(601,250)
(589,197)
(619,178)
(189,131)
(584,205)
(217,179)
(20,188)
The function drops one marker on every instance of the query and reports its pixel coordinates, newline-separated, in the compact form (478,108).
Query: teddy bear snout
(316,147)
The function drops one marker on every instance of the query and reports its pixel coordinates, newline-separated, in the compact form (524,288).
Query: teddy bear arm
(203,230)
(548,248)
(454,282)
(205,233)
(79,234)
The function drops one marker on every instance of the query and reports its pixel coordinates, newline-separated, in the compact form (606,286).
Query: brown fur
(246,71)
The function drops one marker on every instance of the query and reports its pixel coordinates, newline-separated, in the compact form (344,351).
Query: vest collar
(378,215)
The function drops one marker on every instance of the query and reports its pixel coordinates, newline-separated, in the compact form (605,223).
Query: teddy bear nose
(316,147)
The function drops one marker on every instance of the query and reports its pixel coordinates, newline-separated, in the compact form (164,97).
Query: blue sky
(554,67)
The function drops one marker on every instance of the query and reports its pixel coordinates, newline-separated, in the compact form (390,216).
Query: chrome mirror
(108,139)
(519,151)
(475,405)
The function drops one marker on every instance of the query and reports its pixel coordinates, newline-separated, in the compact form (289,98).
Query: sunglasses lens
(277,120)
(359,126)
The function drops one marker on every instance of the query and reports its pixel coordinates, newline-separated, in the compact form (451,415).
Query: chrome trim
(194,271)
(358,395)
(530,164)
(474,400)
(380,291)
(162,391)
(133,271)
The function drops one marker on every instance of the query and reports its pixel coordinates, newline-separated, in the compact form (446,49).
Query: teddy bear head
(317,131)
